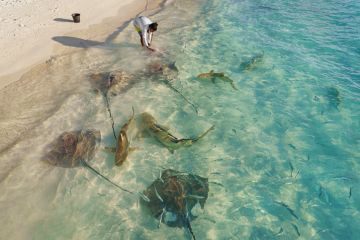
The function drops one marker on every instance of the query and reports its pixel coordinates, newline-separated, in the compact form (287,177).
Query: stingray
(110,83)
(173,195)
(75,149)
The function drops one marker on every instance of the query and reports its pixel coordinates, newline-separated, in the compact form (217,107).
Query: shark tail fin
(85,164)
(203,135)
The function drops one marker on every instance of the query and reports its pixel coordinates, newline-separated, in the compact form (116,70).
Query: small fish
(350,192)
(342,178)
(292,146)
(291,169)
(195,196)
(214,75)
(320,191)
(235,210)
(216,183)
(289,209)
(280,231)
(144,197)
(323,194)
(158,195)
(296,229)
(161,216)
(297,173)
(323,230)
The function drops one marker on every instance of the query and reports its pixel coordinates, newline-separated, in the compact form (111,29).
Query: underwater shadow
(76,42)
(62,20)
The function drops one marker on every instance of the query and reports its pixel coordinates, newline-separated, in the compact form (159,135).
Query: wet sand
(34,31)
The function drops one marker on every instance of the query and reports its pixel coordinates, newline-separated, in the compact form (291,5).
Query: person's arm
(142,40)
(150,37)
(146,43)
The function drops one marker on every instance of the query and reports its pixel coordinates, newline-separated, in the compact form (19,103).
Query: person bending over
(145,27)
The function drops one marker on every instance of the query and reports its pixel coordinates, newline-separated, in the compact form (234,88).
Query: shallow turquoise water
(283,158)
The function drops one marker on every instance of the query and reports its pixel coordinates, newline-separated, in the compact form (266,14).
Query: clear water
(290,134)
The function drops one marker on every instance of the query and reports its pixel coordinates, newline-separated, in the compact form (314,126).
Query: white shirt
(143,24)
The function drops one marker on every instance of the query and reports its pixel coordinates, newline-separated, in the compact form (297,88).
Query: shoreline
(58,35)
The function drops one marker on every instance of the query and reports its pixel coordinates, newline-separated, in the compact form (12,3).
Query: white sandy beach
(27,28)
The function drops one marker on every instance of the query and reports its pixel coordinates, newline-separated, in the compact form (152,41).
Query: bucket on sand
(76,17)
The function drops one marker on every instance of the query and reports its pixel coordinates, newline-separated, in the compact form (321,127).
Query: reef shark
(123,145)
(214,75)
(162,134)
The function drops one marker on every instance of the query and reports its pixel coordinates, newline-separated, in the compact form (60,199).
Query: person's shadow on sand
(76,42)
(82,43)
(62,20)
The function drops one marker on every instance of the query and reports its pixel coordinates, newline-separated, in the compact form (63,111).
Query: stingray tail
(203,135)
(233,85)
(102,176)
(182,95)
(111,117)
(188,225)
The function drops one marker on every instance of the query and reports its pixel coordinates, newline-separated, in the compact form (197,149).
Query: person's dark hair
(153,26)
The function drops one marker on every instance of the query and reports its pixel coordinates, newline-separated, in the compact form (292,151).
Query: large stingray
(110,83)
(173,195)
(75,149)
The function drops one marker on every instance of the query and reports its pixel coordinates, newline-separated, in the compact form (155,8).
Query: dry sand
(28,28)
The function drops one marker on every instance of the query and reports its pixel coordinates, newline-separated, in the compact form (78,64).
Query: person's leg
(138,30)
(141,39)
